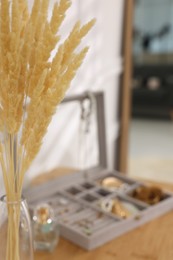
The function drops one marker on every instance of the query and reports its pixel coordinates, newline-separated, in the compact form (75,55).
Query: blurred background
(138,98)
(138,106)
(151,128)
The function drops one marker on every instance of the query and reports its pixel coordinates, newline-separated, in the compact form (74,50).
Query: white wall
(100,71)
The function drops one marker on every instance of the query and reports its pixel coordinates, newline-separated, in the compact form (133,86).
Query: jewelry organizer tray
(82,203)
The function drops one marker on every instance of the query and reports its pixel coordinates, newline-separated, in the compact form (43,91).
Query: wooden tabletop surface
(152,241)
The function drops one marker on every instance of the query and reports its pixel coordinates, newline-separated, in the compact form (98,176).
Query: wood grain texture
(125,88)
(152,241)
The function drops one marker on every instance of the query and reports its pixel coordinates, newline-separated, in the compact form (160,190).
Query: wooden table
(152,241)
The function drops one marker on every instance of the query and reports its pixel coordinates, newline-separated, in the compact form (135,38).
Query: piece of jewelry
(132,208)
(116,207)
(150,195)
(88,110)
(120,210)
(106,205)
(111,182)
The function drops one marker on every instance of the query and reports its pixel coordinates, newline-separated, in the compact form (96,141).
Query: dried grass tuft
(26,44)
(28,77)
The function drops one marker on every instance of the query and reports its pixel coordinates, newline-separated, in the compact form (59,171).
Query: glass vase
(15,230)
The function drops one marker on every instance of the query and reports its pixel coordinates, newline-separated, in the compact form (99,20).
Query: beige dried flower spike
(27,75)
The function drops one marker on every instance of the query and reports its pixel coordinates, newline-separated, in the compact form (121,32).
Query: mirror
(151,130)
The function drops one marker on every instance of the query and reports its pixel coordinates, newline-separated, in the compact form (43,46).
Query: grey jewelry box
(80,201)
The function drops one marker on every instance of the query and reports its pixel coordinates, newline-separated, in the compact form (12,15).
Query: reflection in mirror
(153,31)
(151,132)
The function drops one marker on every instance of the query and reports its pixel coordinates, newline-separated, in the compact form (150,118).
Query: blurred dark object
(164,31)
(147,38)
(146,41)
(152,97)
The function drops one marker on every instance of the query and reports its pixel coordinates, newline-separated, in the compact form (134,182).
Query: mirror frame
(121,149)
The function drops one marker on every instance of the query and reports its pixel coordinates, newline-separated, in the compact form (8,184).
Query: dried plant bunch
(28,75)
(32,84)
